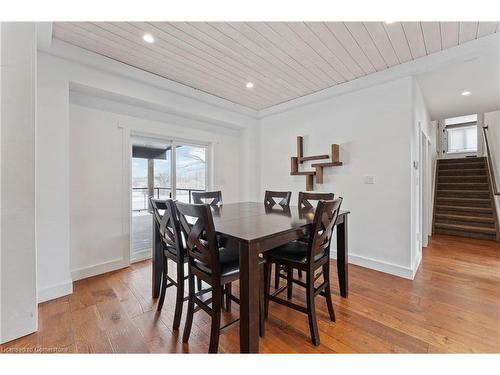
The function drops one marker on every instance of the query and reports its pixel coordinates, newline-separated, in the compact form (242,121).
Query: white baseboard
(55,291)
(141,255)
(378,265)
(97,269)
(416,263)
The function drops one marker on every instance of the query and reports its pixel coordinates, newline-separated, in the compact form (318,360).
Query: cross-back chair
(215,265)
(269,196)
(308,257)
(173,249)
(213,198)
(306,199)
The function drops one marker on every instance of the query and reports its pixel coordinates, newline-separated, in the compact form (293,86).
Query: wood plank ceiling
(284,60)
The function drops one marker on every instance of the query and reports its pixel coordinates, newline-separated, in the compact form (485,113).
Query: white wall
(99,155)
(54,279)
(423,131)
(81,154)
(373,127)
(492,120)
(18,313)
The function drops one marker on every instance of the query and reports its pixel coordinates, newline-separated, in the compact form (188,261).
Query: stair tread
(462,191)
(462,198)
(460,161)
(467,228)
(464,208)
(466,218)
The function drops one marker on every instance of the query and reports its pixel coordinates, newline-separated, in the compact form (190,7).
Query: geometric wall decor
(318,172)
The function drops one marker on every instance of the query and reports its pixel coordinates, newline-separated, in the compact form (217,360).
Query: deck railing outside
(140,196)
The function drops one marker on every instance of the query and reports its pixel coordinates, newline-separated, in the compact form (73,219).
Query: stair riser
(463,194)
(463,203)
(461,160)
(462,186)
(464,212)
(445,167)
(465,234)
(462,172)
(463,179)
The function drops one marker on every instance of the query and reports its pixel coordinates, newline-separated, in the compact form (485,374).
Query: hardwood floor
(453,305)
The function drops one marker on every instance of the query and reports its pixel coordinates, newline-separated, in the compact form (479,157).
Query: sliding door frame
(128,134)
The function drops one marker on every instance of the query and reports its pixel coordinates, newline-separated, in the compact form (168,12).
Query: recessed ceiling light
(148,38)
(249,85)
(389,22)
(465,93)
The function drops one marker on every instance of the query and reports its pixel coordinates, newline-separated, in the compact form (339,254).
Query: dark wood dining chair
(269,204)
(270,201)
(217,266)
(173,249)
(213,198)
(308,257)
(306,200)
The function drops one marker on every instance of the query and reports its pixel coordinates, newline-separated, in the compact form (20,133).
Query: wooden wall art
(318,172)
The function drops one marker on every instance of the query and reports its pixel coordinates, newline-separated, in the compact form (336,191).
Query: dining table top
(255,221)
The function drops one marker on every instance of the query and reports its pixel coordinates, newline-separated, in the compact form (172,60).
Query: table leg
(249,298)
(342,261)
(157,260)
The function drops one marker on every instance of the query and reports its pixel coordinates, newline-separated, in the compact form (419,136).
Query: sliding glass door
(190,171)
(162,169)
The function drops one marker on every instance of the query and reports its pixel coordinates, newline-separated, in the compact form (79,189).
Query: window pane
(471,139)
(163,176)
(141,218)
(462,139)
(139,183)
(190,171)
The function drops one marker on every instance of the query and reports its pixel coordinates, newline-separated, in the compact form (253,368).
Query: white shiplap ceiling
(284,60)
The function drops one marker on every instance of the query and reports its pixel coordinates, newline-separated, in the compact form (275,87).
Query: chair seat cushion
(292,252)
(229,262)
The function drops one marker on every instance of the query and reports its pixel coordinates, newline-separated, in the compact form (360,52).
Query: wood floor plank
(89,333)
(452,306)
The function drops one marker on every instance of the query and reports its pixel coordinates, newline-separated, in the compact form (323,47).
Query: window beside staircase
(461,134)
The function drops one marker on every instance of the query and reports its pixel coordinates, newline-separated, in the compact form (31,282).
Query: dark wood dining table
(256,228)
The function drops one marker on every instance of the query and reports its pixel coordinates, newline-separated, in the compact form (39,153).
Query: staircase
(463,202)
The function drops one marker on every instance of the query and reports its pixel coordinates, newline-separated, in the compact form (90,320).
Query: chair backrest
(213,198)
(284,195)
(168,224)
(320,237)
(306,198)
(197,225)
(277,210)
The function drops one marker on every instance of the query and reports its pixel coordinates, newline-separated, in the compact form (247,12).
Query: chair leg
(215,329)
(262,287)
(267,290)
(164,282)
(190,310)
(328,292)
(289,284)
(179,299)
(198,283)
(311,308)
(276,275)
(228,293)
